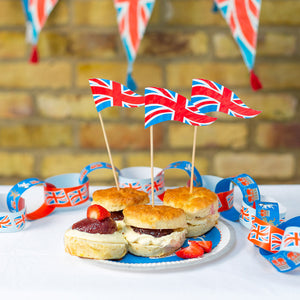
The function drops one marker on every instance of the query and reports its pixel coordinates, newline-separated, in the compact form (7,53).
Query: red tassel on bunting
(34,57)
(255,83)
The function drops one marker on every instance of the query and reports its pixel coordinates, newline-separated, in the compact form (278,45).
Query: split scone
(115,201)
(154,231)
(95,236)
(200,207)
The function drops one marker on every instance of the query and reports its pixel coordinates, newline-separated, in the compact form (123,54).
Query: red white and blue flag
(132,17)
(108,93)
(37,12)
(165,105)
(242,16)
(209,96)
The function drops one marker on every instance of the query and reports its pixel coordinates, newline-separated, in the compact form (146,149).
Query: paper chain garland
(133,16)
(279,241)
(69,190)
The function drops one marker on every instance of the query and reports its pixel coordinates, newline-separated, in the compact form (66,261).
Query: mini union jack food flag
(37,12)
(132,17)
(242,16)
(209,96)
(165,105)
(108,93)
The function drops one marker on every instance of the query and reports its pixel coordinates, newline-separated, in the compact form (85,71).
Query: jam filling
(117,215)
(154,232)
(105,226)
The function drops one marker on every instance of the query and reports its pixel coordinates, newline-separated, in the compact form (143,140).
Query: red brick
(278,135)
(120,136)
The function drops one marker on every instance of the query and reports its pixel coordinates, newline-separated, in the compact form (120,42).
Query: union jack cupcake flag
(165,105)
(209,96)
(36,12)
(242,18)
(132,18)
(108,93)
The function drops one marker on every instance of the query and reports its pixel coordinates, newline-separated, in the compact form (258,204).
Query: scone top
(115,200)
(154,217)
(198,203)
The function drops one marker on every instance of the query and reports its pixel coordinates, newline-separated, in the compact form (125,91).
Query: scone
(154,231)
(115,201)
(95,236)
(200,207)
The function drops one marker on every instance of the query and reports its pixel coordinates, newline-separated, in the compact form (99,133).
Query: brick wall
(49,125)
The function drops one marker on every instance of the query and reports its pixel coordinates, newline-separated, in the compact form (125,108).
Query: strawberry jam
(117,215)
(154,232)
(89,225)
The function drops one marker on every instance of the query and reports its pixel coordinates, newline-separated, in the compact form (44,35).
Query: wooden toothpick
(193,159)
(108,150)
(151,164)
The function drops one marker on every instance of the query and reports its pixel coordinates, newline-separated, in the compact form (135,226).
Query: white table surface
(33,264)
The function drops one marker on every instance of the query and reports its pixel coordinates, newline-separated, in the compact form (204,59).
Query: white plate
(222,236)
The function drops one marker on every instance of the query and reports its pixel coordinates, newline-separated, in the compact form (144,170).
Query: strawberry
(206,245)
(98,212)
(192,251)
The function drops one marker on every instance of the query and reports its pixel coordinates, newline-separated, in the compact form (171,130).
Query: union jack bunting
(36,13)
(165,105)
(132,17)
(259,233)
(55,197)
(108,93)
(242,18)
(276,239)
(209,96)
(78,196)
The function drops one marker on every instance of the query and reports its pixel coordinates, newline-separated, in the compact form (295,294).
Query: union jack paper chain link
(92,167)
(11,220)
(248,213)
(59,191)
(279,245)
